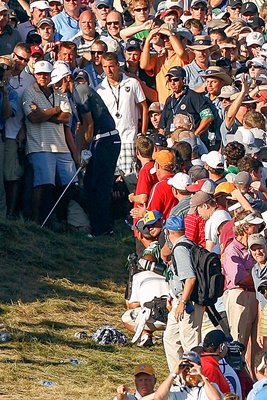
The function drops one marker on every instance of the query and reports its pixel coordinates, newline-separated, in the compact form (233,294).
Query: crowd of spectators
(168,101)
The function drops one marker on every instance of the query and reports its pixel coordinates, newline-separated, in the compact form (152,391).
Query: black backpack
(210,280)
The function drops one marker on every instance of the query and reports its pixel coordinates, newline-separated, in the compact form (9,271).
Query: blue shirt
(66,26)
(193,78)
(13,101)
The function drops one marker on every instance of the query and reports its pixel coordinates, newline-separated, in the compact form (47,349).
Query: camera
(3,69)
(146,265)
(234,355)
(186,364)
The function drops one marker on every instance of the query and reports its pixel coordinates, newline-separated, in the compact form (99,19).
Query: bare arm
(203,126)
(234,107)
(25,6)
(138,198)
(61,118)
(130,31)
(176,44)
(151,94)
(215,3)
(71,144)
(144,115)
(37,115)
(188,289)
(146,61)
(209,245)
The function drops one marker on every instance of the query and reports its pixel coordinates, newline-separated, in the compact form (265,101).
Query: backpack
(207,267)
(158,308)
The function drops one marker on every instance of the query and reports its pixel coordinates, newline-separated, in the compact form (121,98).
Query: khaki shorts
(131,317)
(13,171)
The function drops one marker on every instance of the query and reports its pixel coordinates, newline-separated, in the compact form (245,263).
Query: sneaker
(81,335)
(146,341)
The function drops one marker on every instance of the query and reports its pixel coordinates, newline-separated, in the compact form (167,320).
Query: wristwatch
(172,34)
(173,374)
(183,301)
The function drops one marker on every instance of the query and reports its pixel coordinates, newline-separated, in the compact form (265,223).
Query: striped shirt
(43,136)
(263,323)
(195,229)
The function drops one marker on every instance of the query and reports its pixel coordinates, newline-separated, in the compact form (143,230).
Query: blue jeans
(98,182)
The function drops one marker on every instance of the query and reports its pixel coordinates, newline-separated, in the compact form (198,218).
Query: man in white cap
(179,183)
(9,37)
(38,9)
(214,163)
(46,112)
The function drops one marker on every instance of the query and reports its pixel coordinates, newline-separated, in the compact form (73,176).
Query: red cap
(262,96)
(203,185)
(36,50)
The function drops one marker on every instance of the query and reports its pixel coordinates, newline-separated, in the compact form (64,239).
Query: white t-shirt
(19,84)
(211,228)
(147,285)
(186,393)
(122,102)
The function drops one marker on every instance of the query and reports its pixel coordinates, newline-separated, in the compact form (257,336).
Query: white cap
(221,216)
(173,3)
(180,181)
(194,2)
(255,38)
(250,219)
(228,91)
(213,159)
(257,62)
(43,66)
(40,4)
(58,73)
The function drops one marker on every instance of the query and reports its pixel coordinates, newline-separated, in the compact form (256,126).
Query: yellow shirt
(263,325)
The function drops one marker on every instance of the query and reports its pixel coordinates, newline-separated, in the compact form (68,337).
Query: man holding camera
(8,108)
(193,384)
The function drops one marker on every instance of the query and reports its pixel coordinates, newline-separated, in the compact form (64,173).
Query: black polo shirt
(189,102)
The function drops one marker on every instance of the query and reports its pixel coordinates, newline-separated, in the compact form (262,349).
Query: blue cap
(151,217)
(174,223)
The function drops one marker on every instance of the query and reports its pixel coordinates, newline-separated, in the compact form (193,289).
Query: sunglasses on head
(139,9)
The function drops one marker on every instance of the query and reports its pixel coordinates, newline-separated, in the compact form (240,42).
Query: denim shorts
(51,168)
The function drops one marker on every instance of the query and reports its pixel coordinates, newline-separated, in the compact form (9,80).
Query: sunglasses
(116,23)
(236,8)
(21,58)
(262,291)
(97,53)
(174,79)
(164,37)
(103,6)
(141,9)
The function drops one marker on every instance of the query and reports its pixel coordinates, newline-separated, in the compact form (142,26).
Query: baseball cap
(174,3)
(257,62)
(107,3)
(224,187)
(47,21)
(164,13)
(234,3)
(197,199)
(134,44)
(81,74)
(205,185)
(213,159)
(176,72)
(194,2)
(174,223)
(256,22)
(237,205)
(249,8)
(140,227)
(12,14)
(261,77)
(228,91)
(198,172)
(180,181)
(191,356)
(151,217)
(158,139)
(144,369)
(263,283)
(58,73)
(263,362)
(255,38)
(36,50)
(43,66)
(155,107)
(215,338)
(40,4)
(3,6)
(250,219)
(243,178)
(256,238)
(164,158)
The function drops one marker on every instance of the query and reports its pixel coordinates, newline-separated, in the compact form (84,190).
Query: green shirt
(142,34)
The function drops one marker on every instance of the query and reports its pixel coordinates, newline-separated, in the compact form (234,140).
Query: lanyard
(175,103)
(117,99)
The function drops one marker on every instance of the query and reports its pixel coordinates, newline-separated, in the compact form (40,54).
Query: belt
(106,134)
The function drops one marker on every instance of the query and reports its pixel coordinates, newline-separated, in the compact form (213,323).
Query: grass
(51,286)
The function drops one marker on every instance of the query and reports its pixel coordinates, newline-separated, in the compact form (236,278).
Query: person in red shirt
(214,348)
(161,196)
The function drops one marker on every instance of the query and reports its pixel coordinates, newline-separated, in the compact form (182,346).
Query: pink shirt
(237,265)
